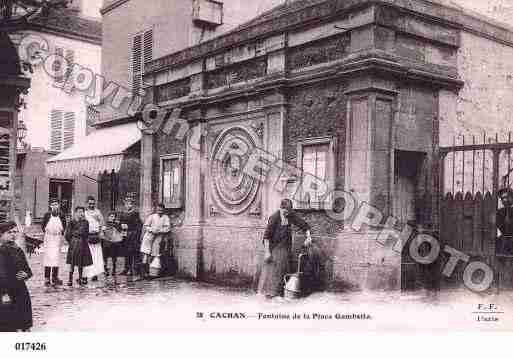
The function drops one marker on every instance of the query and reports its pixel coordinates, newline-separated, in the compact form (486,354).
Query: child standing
(112,242)
(79,254)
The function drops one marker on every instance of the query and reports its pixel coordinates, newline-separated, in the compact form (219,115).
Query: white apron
(97,268)
(53,241)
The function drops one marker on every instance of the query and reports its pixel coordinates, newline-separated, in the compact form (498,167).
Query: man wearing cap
(131,226)
(15,303)
(54,225)
(504,220)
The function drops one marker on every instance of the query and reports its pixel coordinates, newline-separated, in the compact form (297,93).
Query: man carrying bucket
(278,247)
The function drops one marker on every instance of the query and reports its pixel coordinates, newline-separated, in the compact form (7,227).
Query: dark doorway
(407,180)
(62,191)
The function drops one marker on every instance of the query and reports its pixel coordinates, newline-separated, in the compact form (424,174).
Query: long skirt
(17,315)
(79,254)
(52,250)
(150,244)
(271,279)
(97,267)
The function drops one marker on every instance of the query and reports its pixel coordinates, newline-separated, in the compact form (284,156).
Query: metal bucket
(293,282)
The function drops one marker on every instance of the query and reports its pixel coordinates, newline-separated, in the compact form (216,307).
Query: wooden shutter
(136,65)
(69,129)
(148,46)
(56,119)
(142,52)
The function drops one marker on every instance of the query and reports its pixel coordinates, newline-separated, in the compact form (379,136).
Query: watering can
(293,288)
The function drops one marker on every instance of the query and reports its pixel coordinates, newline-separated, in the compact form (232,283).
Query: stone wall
(485,103)
(482,109)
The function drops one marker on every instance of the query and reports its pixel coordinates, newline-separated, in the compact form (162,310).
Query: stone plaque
(233,190)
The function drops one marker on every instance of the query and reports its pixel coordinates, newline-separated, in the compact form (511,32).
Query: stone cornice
(67,34)
(112,6)
(373,65)
(326,11)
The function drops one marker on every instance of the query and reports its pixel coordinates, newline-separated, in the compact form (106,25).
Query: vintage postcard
(313,165)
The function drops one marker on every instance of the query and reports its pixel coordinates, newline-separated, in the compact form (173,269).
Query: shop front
(104,165)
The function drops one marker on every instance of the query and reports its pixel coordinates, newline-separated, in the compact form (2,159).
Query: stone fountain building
(358,93)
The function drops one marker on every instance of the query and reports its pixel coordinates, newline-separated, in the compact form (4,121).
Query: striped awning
(98,152)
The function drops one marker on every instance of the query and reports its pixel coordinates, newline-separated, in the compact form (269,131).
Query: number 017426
(27,346)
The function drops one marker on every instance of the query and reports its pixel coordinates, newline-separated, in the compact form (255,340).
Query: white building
(55,117)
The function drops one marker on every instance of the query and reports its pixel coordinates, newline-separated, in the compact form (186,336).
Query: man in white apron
(96,222)
(54,224)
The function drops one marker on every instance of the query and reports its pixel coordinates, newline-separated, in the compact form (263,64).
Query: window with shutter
(142,52)
(148,46)
(69,129)
(136,63)
(316,157)
(62,130)
(56,130)
(171,176)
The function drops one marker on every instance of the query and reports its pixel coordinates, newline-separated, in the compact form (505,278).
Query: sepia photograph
(270,165)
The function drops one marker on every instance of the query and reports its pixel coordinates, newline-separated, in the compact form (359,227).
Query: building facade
(358,94)
(308,100)
(135,33)
(57,116)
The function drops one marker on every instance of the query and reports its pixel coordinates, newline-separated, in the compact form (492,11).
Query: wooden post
(496,154)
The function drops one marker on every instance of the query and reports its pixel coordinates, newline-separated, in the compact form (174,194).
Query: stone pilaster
(146,172)
(369,143)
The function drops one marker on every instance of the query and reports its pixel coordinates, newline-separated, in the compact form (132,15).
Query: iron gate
(470,178)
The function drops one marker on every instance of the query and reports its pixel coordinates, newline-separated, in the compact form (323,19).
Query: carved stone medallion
(233,190)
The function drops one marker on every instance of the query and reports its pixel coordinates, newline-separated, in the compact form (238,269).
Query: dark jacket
(272,234)
(504,220)
(12,261)
(46,219)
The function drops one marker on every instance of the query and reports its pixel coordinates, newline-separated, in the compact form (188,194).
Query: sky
(91,8)
(500,10)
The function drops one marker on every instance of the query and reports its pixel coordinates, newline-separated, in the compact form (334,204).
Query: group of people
(92,241)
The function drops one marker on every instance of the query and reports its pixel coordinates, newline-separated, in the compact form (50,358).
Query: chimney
(75,6)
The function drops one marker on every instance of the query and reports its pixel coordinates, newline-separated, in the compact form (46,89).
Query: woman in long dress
(79,254)
(278,247)
(15,303)
(156,227)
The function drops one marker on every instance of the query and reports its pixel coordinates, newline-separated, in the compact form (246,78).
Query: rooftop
(67,21)
(300,13)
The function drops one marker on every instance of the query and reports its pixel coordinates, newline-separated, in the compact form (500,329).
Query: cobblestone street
(172,304)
